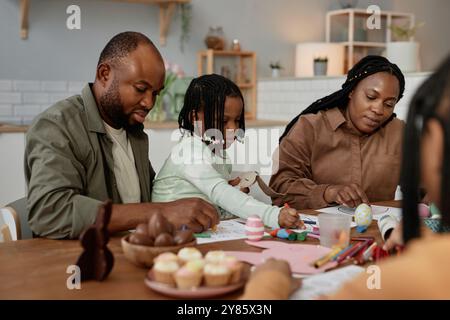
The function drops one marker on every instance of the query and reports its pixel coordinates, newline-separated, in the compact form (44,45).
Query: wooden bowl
(143,256)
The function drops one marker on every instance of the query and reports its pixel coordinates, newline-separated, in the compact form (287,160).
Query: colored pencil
(343,252)
(369,251)
(326,258)
(353,251)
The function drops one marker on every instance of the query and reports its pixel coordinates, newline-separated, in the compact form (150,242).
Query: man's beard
(111,104)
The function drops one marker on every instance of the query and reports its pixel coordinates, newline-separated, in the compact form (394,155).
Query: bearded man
(92,147)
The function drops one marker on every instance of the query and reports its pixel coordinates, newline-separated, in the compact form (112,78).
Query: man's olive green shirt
(69,167)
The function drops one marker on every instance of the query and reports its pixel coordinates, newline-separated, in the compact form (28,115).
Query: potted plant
(276,67)
(186,15)
(165,107)
(320,66)
(403,51)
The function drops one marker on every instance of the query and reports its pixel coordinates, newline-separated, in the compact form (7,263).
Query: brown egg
(141,239)
(158,224)
(142,229)
(164,240)
(183,236)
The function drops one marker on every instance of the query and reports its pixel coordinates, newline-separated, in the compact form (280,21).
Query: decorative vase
(405,54)
(215,39)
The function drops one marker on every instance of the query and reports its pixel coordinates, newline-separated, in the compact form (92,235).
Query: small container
(235,45)
(320,67)
(386,224)
(215,38)
(334,229)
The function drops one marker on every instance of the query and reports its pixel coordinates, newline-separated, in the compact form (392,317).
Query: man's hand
(350,195)
(197,214)
(289,218)
(235,182)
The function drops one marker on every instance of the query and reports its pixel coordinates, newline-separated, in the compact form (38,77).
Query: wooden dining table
(37,268)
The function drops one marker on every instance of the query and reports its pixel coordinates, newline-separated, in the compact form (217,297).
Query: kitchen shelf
(351,43)
(166,11)
(244,77)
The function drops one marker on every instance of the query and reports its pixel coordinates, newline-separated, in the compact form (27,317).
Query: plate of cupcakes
(189,274)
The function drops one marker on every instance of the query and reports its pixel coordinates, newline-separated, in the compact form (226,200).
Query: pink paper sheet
(299,256)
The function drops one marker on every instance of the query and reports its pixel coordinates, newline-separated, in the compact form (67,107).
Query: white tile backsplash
(54,86)
(35,97)
(27,110)
(6,110)
(76,86)
(283,99)
(10,97)
(277,99)
(26,85)
(22,100)
(5,85)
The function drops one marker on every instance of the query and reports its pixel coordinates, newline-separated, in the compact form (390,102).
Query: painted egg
(363,215)
(254,228)
(424,210)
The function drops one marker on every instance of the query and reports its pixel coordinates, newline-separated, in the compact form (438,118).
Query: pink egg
(424,210)
(254,228)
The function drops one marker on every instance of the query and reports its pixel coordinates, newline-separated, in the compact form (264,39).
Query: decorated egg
(434,210)
(254,228)
(424,210)
(363,215)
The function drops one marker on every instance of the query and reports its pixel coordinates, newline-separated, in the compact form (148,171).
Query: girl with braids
(344,148)
(421,272)
(211,119)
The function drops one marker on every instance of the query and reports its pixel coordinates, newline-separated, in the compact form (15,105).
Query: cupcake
(216,274)
(189,276)
(215,256)
(235,267)
(164,271)
(188,254)
(197,264)
(166,256)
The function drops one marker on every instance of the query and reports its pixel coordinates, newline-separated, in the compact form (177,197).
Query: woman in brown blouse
(345,148)
(422,270)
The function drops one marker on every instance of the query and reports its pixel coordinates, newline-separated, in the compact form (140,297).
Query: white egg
(363,215)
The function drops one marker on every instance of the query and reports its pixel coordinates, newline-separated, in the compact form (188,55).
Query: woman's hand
(235,182)
(350,195)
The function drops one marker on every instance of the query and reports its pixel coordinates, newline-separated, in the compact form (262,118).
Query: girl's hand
(235,182)
(289,218)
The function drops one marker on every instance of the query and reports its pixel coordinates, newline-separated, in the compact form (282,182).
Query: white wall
(433,37)
(52,52)
(269,27)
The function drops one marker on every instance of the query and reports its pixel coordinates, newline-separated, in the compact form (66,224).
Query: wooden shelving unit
(351,43)
(244,76)
(166,11)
